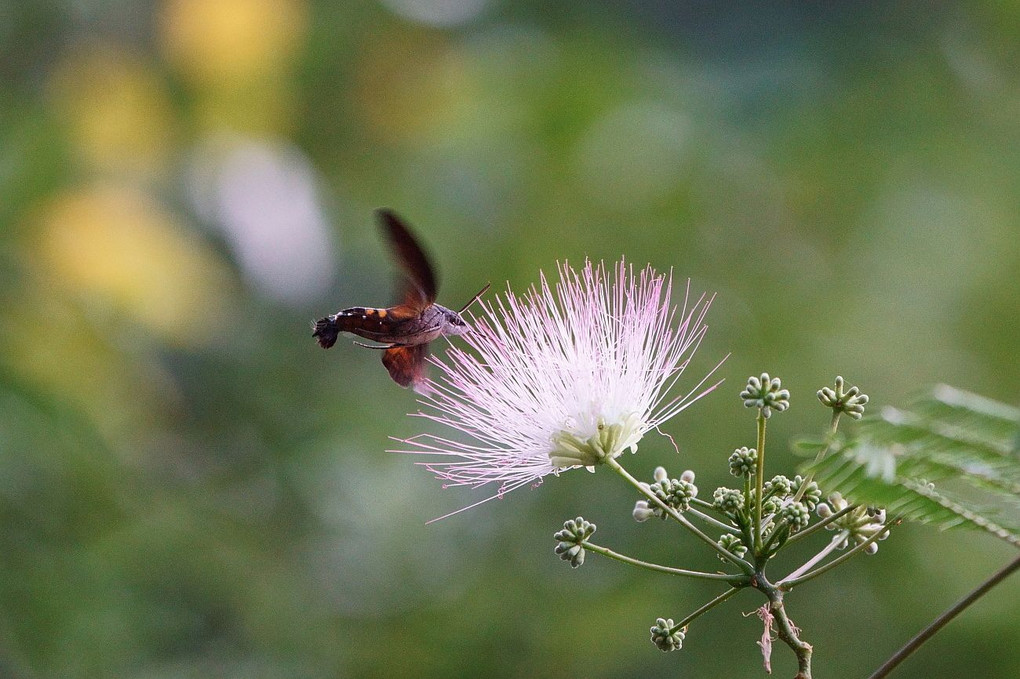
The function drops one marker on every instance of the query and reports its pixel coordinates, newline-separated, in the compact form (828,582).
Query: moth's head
(454,323)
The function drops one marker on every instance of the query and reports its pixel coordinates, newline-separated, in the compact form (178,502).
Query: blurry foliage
(190,487)
(952,459)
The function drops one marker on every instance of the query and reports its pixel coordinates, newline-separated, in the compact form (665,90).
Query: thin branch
(789,634)
(605,551)
(944,619)
(759,482)
(713,522)
(613,464)
(789,583)
(821,524)
(787,631)
(707,607)
(836,540)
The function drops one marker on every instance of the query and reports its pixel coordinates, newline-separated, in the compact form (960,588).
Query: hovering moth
(404,331)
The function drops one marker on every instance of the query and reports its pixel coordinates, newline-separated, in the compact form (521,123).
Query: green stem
(789,583)
(613,464)
(785,629)
(777,529)
(759,482)
(605,551)
(704,609)
(821,524)
(825,551)
(944,619)
(746,530)
(713,522)
(704,504)
(745,519)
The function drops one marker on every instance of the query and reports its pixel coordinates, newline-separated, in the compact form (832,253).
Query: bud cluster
(729,501)
(676,494)
(796,515)
(851,401)
(811,495)
(732,544)
(861,523)
(766,394)
(571,538)
(779,486)
(743,461)
(665,637)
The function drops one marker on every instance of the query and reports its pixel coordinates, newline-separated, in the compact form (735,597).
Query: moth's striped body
(402,331)
(390,326)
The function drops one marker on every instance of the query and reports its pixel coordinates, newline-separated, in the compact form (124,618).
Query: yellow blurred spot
(412,87)
(55,346)
(115,247)
(227,43)
(263,109)
(117,110)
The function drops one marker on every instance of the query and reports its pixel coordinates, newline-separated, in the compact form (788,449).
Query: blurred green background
(190,487)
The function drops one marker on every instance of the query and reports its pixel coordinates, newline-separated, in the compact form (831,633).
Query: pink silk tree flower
(564,376)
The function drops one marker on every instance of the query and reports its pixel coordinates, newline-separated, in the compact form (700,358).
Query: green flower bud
(765,393)
(666,638)
(779,487)
(569,546)
(732,544)
(743,461)
(728,500)
(771,505)
(812,493)
(674,493)
(851,401)
(796,515)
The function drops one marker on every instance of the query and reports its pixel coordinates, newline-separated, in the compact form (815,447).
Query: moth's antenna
(475,298)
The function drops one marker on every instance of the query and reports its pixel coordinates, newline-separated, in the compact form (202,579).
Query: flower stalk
(707,607)
(810,530)
(759,483)
(678,517)
(787,632)
(789,582)
(944,619)
(605,551)
(834,544)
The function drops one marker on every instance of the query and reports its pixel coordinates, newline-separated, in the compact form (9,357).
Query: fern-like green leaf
(950,459)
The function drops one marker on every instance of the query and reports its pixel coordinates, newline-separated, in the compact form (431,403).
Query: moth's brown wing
(419,288)
(403,312)
(406,363)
